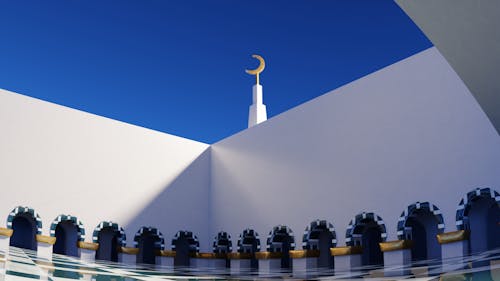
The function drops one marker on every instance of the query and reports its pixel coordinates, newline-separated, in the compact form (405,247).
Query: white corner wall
(409,132)
(59,160)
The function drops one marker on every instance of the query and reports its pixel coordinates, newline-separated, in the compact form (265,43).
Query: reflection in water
(483,266)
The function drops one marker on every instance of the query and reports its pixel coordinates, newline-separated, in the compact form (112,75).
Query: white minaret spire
(257,112)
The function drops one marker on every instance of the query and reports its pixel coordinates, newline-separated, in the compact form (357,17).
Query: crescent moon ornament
(259,69)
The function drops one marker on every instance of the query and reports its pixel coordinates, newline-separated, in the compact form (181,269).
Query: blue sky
(178,66)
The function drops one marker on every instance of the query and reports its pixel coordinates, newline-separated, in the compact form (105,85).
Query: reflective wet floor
(22,265)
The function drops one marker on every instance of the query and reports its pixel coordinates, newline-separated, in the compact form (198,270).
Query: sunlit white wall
(409,132)
(59,160)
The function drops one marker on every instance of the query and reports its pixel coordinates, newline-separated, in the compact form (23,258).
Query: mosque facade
(399,166)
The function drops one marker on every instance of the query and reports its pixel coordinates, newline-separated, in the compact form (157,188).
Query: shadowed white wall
(409,132)
(59,160)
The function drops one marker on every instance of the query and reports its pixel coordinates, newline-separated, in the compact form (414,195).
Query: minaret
(257,112)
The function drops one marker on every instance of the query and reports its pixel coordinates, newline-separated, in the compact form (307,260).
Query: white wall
(59,160)
(409,132)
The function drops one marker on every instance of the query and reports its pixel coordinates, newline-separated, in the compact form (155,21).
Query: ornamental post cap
(259,69)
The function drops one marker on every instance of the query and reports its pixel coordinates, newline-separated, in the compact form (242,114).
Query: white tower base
(257,112)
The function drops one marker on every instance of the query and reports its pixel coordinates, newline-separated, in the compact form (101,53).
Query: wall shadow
(182,205)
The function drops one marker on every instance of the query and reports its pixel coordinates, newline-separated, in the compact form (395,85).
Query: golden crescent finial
(259,69)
